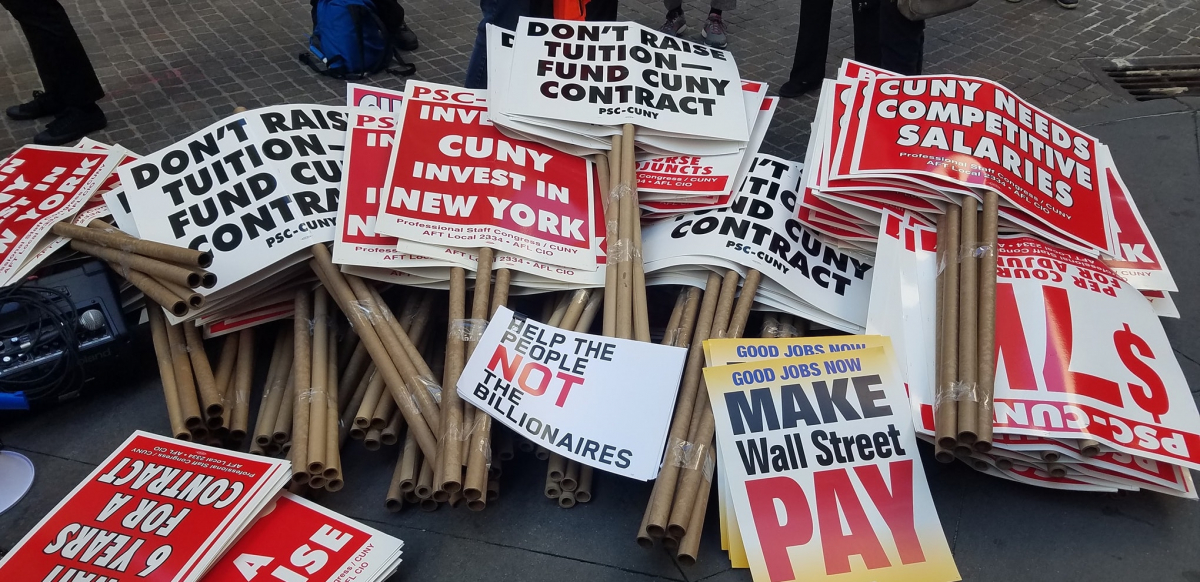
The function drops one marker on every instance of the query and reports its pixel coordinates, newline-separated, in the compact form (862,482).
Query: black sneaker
(72,124)
(1069,4)
(793,88)
(405,38)
(42,106)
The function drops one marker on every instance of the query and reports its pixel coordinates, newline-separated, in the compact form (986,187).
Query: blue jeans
(502,13)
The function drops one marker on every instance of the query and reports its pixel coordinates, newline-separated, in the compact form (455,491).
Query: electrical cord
(51,323)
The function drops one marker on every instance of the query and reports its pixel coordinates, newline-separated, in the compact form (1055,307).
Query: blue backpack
(349,41)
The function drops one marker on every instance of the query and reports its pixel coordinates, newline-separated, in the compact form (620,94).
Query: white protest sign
(1080,354)
(612,74)
(253,188)
(601,401)
(759,230)
(454,180)
(824,472)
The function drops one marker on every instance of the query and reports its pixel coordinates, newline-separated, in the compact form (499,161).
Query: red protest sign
(157,510)
(976,133)
(455,180)
(39,186)
(1138,259)
(298,540)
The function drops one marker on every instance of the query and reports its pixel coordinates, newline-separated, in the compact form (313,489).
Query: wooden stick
(322,265)
(987,321)
(205,382)
(129,244)
(658,509)
(241,384)
(968,325)
(301,384)
(946,409)
(155,268)
(449,476)
(166,371)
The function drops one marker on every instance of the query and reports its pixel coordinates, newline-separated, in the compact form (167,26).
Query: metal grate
(1147,78)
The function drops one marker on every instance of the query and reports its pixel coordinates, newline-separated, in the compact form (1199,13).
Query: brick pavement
(172,67)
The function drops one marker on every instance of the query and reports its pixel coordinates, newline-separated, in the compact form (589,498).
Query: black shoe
(405,38)
(42,106)
(72,124)
(793,88)
(1069,4)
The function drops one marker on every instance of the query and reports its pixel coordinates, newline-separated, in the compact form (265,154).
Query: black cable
(51,322)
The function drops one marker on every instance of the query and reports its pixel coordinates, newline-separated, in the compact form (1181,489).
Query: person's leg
(715,32)
(502,13)
(392,15)
(67,74)
(674,23)
(812,48)
(902,41)
(866,32)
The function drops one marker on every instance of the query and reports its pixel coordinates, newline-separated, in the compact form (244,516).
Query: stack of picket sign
(1056,348)
(215,515)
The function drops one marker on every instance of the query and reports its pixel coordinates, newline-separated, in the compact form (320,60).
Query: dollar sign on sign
(1152,397)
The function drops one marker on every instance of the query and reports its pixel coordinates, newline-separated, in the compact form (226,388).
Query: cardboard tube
(500,291)
(658,509)
(346,421)
(410,462)
(497,468)
(322,265)
(190,296)
(557,467)
(1089,448)
(987,321)
(589,312)
(671,331)
(301,384)
(366,409)
(770,326)
(479,457)
(125,242)
(627,216)
(566,499)
(493,490)
(946,409)
(354,370)
(333,460)
(481,300)
(420,322)
(383,412)
(406,340)
(166,372)
(611,228)
(575,307)
(225,364)
(155,268)
(205,382)
(524,445)
(505,450)
(968,324)
(1004,464)
(641,314)
(373,439)
(687,322)
(390,434)
(689,544)
(241,384)
(418,386)
(450,464)
(562,302)
(741,311)
(1057,470)
(552,489)
(153,289)
(424,489)
(318,395)
(395,496)
(282,431)
(1051,456)
(570,479)
(272,395)
(942,454)
(347,348)
(583,493)
(541,453)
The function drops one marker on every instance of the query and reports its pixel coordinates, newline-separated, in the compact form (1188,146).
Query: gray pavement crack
(512,547)
(51,455)
(675,562)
